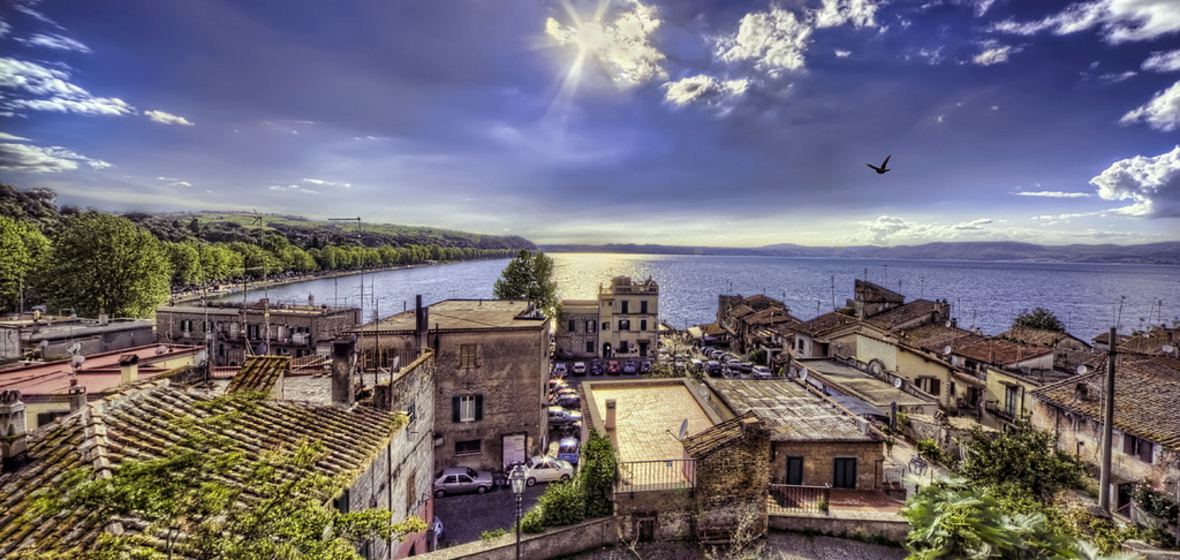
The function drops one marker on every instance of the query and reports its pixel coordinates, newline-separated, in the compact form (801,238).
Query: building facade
(622,322)
(52,337)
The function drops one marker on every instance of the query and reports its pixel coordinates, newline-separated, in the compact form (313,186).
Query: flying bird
(884,166)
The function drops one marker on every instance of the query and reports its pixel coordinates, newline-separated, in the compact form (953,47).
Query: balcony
(1003,413)
(646,476)
(810,499)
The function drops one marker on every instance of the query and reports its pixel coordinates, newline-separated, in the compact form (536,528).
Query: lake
(986,294)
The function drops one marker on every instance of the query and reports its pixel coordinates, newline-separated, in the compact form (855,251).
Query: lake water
(985,294)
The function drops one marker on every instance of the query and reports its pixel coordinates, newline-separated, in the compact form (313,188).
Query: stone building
(491,365)
(577,330)
(626,318)
(732,477)
(49,338)
(235,330)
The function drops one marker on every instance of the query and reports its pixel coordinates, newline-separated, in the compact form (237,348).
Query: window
(845,473)
(470,447)
(930,385)
(411,413)
(642,325)
(624,324)
(467,408)
(626,307)
(467,355)
(590,325)
(252,332)
(589,346)
(643,306)
(186,326)
(794,471)
(411,492)
(573,326)
(44,418)
(605,326)
(1011,400)
(372,358)
(1137,447)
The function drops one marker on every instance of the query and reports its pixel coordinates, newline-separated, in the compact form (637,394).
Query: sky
(678,122)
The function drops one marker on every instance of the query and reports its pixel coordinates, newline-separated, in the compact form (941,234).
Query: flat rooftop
(790,411)
(465,314)
(862,385)
(648,415)
(99,373)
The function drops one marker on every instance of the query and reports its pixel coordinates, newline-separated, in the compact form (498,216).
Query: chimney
(104,319)
(129,367)
(343,354)
(311,300)
(610,415)
(13,431)
(77,397)
(421,324)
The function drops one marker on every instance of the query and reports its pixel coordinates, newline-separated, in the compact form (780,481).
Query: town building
(860,391)
(235,330)
(48,337)
(622,322)
(1011,371)
(491,366)
(1159,341)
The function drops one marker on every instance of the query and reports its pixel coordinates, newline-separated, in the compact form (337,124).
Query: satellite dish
(897,383)
(43,345)
(803,374)
(1082,369)
(396,359)
(1168,349)
(161,349)
(839,344)
(947,350)
(261,349)
(948,324)
(683,429)
(200,361)
(74,348)
(77,360)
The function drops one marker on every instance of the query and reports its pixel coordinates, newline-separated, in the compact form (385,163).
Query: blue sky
(678,122)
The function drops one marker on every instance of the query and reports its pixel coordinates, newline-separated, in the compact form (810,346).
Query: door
(794,471)
(845,473)
(513,449)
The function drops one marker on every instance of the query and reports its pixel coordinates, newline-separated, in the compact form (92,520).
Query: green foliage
(1038,318)
(186,263)
(1024,456)
(529,277)
(563,503)
(757,356)
(596,476)
(1155,504)
(22,252)
(929,449)
(101,262)
(533,521)
(492,535)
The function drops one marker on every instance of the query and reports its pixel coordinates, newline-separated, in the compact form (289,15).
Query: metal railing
(646,476)
(812,499)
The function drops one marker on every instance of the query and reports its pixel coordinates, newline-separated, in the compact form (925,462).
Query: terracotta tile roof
(1104,338)
(761,301)
(719,436)
(1000,352)
(740,310)
(825,323)
(1146,393)
(772,316)
(1153,342)
(791,412)
(906,313)
(935,338)
(259,373)
(1036,337)
(135,423)
(869,292)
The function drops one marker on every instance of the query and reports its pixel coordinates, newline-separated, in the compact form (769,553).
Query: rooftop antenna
(833,279)
(1118,320)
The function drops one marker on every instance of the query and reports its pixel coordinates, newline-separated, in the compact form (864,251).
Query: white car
(761,372)
(546,469)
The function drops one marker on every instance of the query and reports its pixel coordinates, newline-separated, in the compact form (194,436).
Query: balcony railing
(1001,412)
(644,476)
(811,499)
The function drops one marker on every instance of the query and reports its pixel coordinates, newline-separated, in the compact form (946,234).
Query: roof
(869,292)
(135,424)
(864,386)
(935,338)
(740,310)
(772,316)
(1104,338)
(1146,391)
(465,315)
(1152,342)
(998,351)
(762,301)
(648,415)
(825,323)
(274,308)
(1037,337)
(791,412)
(99,373)
(906,313)
(259,373)
(720,436)
(580,306)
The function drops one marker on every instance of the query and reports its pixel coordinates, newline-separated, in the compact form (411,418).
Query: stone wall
(732,483)
(572,344)
(819,461)
(555,542)
(671,511)
(868,526)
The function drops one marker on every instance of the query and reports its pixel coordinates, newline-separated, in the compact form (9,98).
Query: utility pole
(1107,428)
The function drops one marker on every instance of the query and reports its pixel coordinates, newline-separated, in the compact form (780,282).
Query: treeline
(93,262)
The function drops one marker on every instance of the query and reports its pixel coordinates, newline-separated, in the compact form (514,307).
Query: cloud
(1162,61)
(293,188)
(932,56)
(777,39)
(1121,21)
(623,46)
(994,53)
(56,92)
(1052,194)
(1153,183)
(5,29)
(1114,78)
(893,229)
(167,118)
(35,14)
(174,182)
(834,13)
(38,159)
(1162,113)
(54,41)
(11,138)
(326,183)
(706,90)
(843,54)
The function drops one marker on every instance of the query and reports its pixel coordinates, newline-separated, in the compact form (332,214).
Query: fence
(812,499)
(642,476)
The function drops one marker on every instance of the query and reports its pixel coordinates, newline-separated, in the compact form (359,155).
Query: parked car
(560,417)
(630,366)
(546,469)
(555,384)
(596,368)
(713,368)
(613,367)
(456,480)
(645,366)
(564,392)
(743,367)
(696,365)
(560,369)
(761,372)
(572,402)
(568,450)
(579,368)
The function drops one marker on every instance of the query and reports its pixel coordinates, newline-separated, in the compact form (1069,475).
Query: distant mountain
(1166,253)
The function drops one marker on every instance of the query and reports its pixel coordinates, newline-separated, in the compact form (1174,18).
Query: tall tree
(1038,318)
(529,277)
(22,250)
(105,263)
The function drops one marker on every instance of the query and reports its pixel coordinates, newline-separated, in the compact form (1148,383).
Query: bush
(492,535)
(597,474)
(532,521)
(563,503)
(1026,456)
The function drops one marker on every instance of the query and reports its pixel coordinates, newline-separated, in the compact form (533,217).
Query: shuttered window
(467,408)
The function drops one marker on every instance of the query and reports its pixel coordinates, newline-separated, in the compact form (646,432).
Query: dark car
(596,368)
(713,368)
(572,402)
(645,366)
(613,367)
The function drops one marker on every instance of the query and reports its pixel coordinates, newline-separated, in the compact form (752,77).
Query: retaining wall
(555,542)
(851,525)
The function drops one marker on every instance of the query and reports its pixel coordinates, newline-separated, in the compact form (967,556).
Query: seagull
(884,166)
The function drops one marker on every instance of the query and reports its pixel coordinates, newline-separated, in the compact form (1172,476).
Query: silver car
(455,480)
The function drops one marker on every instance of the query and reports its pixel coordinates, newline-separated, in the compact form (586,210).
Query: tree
(105,263)
(22,250)
(1023,457)
(529,277)
(186,263)
(1038,318)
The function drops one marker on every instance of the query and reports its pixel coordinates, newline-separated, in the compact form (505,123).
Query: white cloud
(706,90)
(834,13)
(12,138)
(1120,20)
(1163,61)
(1153,183)
(54,41)
(995,53)
(1161,113)
(58,93)
(623,45)
(39,159)
(167,118)
(174,182)
(932,56)
(843,54)
(1114,78)
(326,183)
(893,229)
(293,188)
(35,14)
(1053,194)
(5,28)
(776,40)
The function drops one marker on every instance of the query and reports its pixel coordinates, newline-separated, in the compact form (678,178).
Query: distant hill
(1167,253)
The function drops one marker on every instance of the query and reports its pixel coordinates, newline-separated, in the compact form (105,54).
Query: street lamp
(517,480)
(919,466)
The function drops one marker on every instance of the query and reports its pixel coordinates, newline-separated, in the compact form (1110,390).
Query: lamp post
(919,466)
(517,480)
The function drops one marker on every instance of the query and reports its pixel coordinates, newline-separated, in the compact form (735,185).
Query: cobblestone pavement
(466,516)
(777,546)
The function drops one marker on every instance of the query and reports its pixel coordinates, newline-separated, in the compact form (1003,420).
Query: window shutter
(1128,445)
(478,407)
(455,409)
